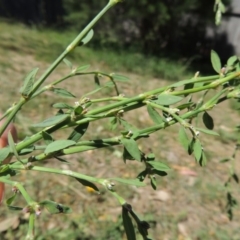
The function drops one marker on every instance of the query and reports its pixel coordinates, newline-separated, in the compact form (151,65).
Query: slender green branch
(31,226)
(57,171)
(20,187)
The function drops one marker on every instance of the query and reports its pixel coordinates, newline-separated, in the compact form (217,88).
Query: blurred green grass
(46,45)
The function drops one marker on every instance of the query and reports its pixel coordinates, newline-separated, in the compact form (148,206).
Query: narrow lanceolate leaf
(210,132)
(167,99)
(191,146)
(12,146)
(183,138)
(87,38)
(68,63)
(47,137)
(62,106)
(127,155)
(132,148)
(78,132)
(28,83)
(82,68)
(142,175)
(120,78)
(216,62)
(54,207)
(232,60)
(4,152)
(58,145)
(26,150)
(63,92)
(208,121)
(113,123)
(87,184)
(153,182)
(154,115)
(159,173)
(96,80)
(203,160)
(11,199)
(128,225)
(159,165)
(61,160)
(136,182)
(52,121)
(197,150)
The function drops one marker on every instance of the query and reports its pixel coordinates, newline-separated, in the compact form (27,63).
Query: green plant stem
(72,45)
(12,114)
(20,187)
(31,225)
(127,105)
(57,171)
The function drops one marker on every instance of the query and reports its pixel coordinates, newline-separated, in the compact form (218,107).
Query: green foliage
(78,117)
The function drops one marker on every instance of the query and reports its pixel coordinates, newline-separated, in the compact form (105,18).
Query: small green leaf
(62,106)
(47,137)
(68,63)
(52,121)
(154,115)
(216,62)
(128,225)
(11,199)
(113,123)
(167,99)
(135,182)
(120,78)
(225,160)
(87,38)
(132,147)
(63,92)
(58,145)
(96,80)
(142,175)
(159,166)
(203,160)
(185,105)
(150,157)
(78,110)
(188,86)
(13,208)
(160,173)
(4,152)
(127,155)
(54,207)
(78,132)
(181,83)
(208,121)
(12,146)
(28,82)
(153,182)
(26,150)
(82,68)
(235,177)
(183,138)
(232,60)
(128,126)
(210,132)
(197,150)
(191,146)
(61,159)
(87,184)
